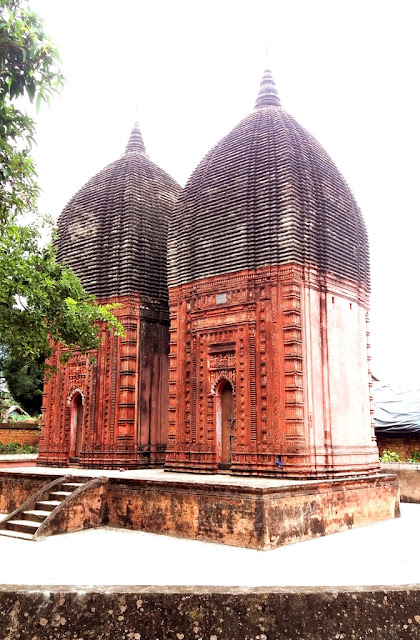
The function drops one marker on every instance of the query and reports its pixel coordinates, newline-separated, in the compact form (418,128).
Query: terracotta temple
(268,296)
(113,234)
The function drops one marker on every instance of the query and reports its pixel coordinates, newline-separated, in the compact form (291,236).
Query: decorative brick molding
(292,344)
(123,390)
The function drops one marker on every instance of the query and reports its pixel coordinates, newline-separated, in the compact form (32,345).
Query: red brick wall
(124,395)
(262,332)
(403,446)
(19,432)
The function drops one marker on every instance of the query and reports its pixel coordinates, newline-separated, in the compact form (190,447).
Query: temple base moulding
(246,512)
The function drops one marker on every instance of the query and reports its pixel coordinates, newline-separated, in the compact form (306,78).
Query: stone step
(26,526)
(59,495)
(47,505)
(16,534)
(71,486)
(36,515)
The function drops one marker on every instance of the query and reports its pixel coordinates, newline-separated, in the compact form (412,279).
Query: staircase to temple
(63,505)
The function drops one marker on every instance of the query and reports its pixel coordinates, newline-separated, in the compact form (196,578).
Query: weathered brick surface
(267,341)
(246,516)
(15,489)
(403,446)
(22,433)
(124,396)
(267,194)
(200,613)
(256,518)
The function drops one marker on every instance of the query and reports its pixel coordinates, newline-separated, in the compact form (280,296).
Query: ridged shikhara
(267,194)
(113,232)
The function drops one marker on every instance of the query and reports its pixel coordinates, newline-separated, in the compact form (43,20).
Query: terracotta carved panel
(262,340)
(124,390)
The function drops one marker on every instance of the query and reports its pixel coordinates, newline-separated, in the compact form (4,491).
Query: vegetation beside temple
(14,448)
(42,302)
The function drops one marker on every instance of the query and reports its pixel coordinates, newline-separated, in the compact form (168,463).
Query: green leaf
(38,101)
(56,308)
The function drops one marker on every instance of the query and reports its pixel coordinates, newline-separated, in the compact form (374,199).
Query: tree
(24,383)
(42,303)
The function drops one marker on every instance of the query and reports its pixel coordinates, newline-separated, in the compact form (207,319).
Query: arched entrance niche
(224,407)
(76,411)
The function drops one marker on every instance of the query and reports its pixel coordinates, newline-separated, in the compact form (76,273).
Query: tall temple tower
(113,234)
(269,295)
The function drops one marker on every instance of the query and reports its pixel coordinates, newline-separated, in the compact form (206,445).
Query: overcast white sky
(189,71)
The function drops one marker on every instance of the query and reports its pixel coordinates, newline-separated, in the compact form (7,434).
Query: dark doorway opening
(224,423)
(76,426)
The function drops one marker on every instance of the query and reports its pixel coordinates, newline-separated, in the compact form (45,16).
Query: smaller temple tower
(111,411)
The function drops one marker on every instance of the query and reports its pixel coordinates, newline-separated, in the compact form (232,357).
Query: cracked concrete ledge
(209,613)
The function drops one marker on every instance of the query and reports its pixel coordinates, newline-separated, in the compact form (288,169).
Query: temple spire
(267,95)
(135,143)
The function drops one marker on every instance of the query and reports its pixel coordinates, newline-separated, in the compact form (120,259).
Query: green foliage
(29,67)
(389,456)
(14,448)
(21,417)
(3,403)
(415,457)
(41,302)
(24,381)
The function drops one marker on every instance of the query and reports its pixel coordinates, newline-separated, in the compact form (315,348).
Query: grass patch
(14,448)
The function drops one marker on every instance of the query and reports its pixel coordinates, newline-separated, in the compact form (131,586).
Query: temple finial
(267,95)
(135,143)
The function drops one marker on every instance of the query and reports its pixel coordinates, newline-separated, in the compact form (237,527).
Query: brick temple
(268,297)
(244,299)
(112,412)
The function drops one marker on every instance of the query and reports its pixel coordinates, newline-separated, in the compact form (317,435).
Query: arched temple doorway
(224,423)
(76,424)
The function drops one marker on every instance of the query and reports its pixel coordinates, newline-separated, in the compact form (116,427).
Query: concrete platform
(385,553)
(135,585)
(203,613)
(18,460)
(260,513)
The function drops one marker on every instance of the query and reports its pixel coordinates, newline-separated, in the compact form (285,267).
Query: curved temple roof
(113,232)
(267,194)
